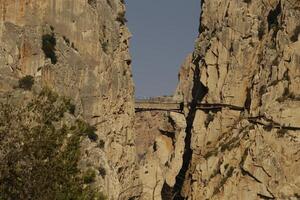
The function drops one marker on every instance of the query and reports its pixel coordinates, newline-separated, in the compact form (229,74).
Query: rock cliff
(160,142)
(245,66)
(246,61)
(78,49)
(246,144)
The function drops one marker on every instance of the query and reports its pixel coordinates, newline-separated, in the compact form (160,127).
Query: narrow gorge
(71,128)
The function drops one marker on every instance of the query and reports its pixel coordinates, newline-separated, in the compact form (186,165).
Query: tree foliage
(39,151)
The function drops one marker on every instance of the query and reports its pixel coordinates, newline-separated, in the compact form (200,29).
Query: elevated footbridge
(148,105)
(177,106)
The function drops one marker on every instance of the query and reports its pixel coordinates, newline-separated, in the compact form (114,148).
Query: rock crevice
(249,58)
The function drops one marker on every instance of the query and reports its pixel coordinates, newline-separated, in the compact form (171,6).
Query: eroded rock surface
(246,56)
(160,143)
(78,49)
(246,63)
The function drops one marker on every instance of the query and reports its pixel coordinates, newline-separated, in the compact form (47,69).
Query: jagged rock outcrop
(160,144)
(246,56)
(78,49)
(246,62)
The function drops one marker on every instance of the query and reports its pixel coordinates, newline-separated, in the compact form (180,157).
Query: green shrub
(39,153)
(69,106)
(88,130)
(48,47)
(102,172)
(101,144)
(26,82)
(49,94)
(105,46)
(89,176)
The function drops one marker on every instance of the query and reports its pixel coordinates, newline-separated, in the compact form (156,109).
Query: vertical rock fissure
(198,92)
(259,104)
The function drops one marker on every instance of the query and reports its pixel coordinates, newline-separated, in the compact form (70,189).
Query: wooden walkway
(152,105)
(148,105)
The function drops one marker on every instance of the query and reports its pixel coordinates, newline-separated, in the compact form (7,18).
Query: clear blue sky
(164,32)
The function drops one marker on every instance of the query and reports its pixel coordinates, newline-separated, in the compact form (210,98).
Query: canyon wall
(245,66)
(160,142)
(79,49)
(246,63)
(245,144)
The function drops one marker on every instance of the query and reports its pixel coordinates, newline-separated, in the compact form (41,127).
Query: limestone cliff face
(246,61)
(160,142)
(245,145)
(79,48)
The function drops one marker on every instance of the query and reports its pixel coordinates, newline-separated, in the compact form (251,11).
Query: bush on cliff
(40,149)
(26,82)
